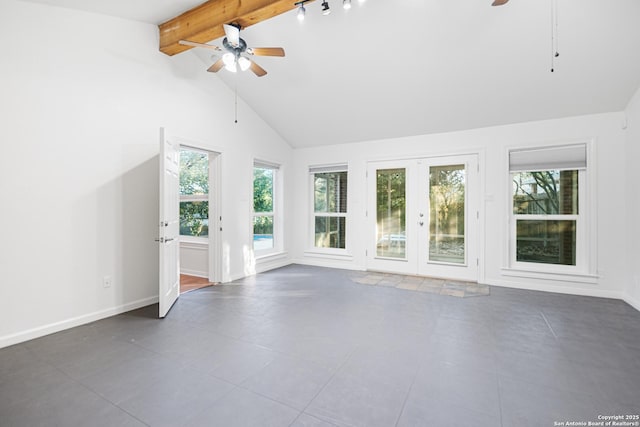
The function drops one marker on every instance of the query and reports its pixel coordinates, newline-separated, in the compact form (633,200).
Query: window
(548,206)
(264,184)
(194,193)
(329,207)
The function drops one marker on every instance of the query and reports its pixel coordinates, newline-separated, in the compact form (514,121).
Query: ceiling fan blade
(266,51)
(196,44)
(233,34)
(217,66)
(498,2)
(257,70)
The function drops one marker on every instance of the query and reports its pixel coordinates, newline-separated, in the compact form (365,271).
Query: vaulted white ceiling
(407,67)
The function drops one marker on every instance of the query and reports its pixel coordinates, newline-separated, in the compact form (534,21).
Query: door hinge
(477,262)
(366,252)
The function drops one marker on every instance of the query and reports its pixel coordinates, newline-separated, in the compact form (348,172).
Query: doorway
(423,217)
(199,218)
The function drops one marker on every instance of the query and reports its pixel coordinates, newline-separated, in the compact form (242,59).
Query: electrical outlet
(106,281)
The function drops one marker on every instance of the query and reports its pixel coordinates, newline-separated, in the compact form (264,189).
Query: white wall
(492,144)
(633,210)
(194,259)
(82,99)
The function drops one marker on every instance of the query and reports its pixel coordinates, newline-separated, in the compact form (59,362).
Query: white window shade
(559,158)
(327,169)
(265,165)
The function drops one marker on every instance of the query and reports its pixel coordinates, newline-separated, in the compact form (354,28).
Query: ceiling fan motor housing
(236,50)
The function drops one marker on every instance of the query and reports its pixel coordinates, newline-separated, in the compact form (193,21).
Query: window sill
(338,254)
(564,277)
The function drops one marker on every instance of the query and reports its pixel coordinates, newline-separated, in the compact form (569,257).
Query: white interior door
(169,226)
(448,217)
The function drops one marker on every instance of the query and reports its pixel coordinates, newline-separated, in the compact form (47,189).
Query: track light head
(325,8)
(346,4)
(301,12)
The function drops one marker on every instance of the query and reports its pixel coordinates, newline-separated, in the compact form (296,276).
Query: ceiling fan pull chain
(554,33)
(236,100)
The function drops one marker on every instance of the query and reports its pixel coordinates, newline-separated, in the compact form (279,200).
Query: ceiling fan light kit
(236,52)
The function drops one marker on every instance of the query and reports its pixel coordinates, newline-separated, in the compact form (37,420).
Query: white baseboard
(560,289)
(195,273)
(329,263)
(271,264)
(632,302)
(51,328)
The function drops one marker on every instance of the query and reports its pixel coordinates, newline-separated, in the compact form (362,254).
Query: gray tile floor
(307,346)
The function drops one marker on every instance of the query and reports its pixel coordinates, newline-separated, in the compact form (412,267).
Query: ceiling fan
(499,2)
(236,52)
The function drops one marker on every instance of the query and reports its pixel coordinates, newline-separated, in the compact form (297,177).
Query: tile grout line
(325,386)
(404,403)
(549,325)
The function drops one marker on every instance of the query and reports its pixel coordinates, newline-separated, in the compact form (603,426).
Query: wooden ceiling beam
(204,23)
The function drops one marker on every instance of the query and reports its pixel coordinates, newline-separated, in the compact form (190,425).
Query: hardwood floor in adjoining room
(309,346)
(191,283)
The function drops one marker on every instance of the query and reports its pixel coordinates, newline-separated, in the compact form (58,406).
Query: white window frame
(275,213)
(584,270)
(313,170)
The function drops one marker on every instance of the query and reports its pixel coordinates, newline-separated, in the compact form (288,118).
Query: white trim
(199,246)
(337,254)
(271,256)
(272,261)
(546,275)
(62,325)
(559,289)
(195,273)
(631,301)
(325,262)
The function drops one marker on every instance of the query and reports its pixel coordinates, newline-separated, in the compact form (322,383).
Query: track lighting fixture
(325,8)
(301,9)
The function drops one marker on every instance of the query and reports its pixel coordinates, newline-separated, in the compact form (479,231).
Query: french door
(423,217)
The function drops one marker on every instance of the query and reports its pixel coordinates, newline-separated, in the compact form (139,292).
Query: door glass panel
(391,213)
(446,213)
